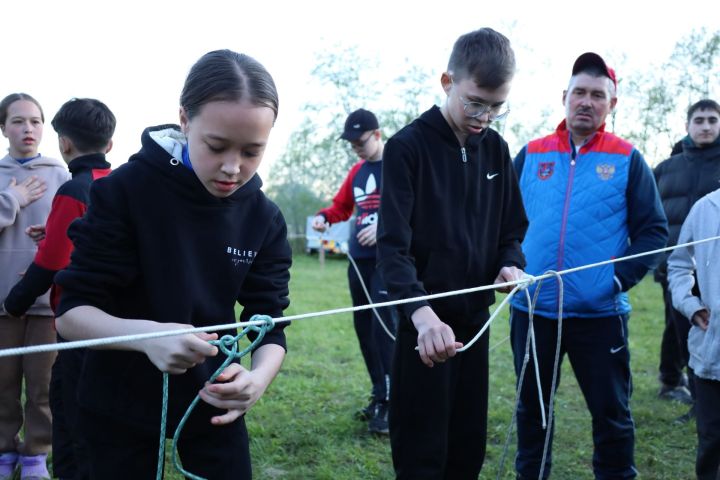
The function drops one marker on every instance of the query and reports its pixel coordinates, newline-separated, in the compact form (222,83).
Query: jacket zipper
(464,155)
(566,208)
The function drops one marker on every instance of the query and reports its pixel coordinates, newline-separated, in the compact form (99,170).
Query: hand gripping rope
(228,345)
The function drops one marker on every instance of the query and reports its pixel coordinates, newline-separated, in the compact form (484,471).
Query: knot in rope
(526,281)
(227,344)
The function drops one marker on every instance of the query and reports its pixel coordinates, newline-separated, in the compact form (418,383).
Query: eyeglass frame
(361,144)
(484,108)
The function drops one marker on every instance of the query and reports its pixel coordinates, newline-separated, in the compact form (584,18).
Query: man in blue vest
(589,197)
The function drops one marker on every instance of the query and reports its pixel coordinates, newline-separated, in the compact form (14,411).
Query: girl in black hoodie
(174,239)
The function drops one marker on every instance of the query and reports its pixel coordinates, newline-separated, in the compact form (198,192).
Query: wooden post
(321,254)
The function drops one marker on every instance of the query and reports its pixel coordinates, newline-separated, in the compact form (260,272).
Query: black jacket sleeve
(519,162)
(515,223)
(265,289)
(35,282)
(105,256)
(396,264)
(647,225)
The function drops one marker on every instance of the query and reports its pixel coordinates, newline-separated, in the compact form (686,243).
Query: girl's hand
(237,391)
(28,190)
(177,354)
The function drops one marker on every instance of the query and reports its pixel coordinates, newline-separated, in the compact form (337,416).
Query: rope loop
(227,344)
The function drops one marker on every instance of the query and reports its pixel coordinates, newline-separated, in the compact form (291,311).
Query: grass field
(303,428)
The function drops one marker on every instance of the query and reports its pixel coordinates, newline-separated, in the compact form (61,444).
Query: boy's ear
(446,82)
(66,144)
(109,146)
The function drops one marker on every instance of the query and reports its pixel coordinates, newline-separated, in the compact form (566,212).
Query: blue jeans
(598,352)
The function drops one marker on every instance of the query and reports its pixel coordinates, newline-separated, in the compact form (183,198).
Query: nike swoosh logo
(615,350)
(490,177)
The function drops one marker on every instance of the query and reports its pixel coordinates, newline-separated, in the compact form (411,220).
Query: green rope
(228,345)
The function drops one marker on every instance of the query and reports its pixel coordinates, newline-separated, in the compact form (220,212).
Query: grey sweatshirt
(703,259)
(17,249)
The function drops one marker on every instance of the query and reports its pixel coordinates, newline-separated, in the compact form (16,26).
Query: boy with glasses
(451,217)
(361,192)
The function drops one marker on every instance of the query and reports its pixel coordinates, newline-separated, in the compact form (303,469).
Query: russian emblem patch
(545,170)
(605,171)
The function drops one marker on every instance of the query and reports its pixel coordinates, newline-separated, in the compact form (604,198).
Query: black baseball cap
(593,59)
(357,123)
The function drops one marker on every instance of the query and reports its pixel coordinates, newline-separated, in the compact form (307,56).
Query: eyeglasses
(361,143)
(477,109)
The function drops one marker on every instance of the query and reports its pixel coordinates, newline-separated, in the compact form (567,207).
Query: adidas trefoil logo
(370,188)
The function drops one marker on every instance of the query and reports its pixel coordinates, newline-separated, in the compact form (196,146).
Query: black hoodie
(155,244)
(450,216)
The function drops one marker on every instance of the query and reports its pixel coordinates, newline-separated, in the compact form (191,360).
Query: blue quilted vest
(578,215)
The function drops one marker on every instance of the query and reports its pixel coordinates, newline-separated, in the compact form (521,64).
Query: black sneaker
(367,412)
(690,415)
(378,424)
(678,393)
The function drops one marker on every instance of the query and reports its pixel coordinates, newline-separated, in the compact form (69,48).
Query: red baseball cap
(593,59)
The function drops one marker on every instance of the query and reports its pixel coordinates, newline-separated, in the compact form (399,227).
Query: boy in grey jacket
(695,287)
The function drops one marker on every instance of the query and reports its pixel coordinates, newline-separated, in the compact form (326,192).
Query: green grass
(303,428)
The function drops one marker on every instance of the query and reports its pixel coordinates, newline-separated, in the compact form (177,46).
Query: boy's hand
(701,319)
(237,391)
(367,237)
(177,354)
(319,224)
(36,233)
(28,190)
(436,340)
(508,274)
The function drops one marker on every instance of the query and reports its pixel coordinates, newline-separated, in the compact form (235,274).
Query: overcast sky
(134,56)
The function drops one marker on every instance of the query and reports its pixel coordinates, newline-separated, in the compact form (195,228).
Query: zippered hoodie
(155,244)
(450,216)
(702,259)
(17,249)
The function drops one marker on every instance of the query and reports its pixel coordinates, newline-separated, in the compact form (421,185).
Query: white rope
(367,295)
(230,326)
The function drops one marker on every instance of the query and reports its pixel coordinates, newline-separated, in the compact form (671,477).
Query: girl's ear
(184,120)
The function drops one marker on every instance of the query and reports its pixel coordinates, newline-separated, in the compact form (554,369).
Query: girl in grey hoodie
(695,286)
(28,182)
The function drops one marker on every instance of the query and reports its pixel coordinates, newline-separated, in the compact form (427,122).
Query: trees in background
(659,98)
(314,163)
